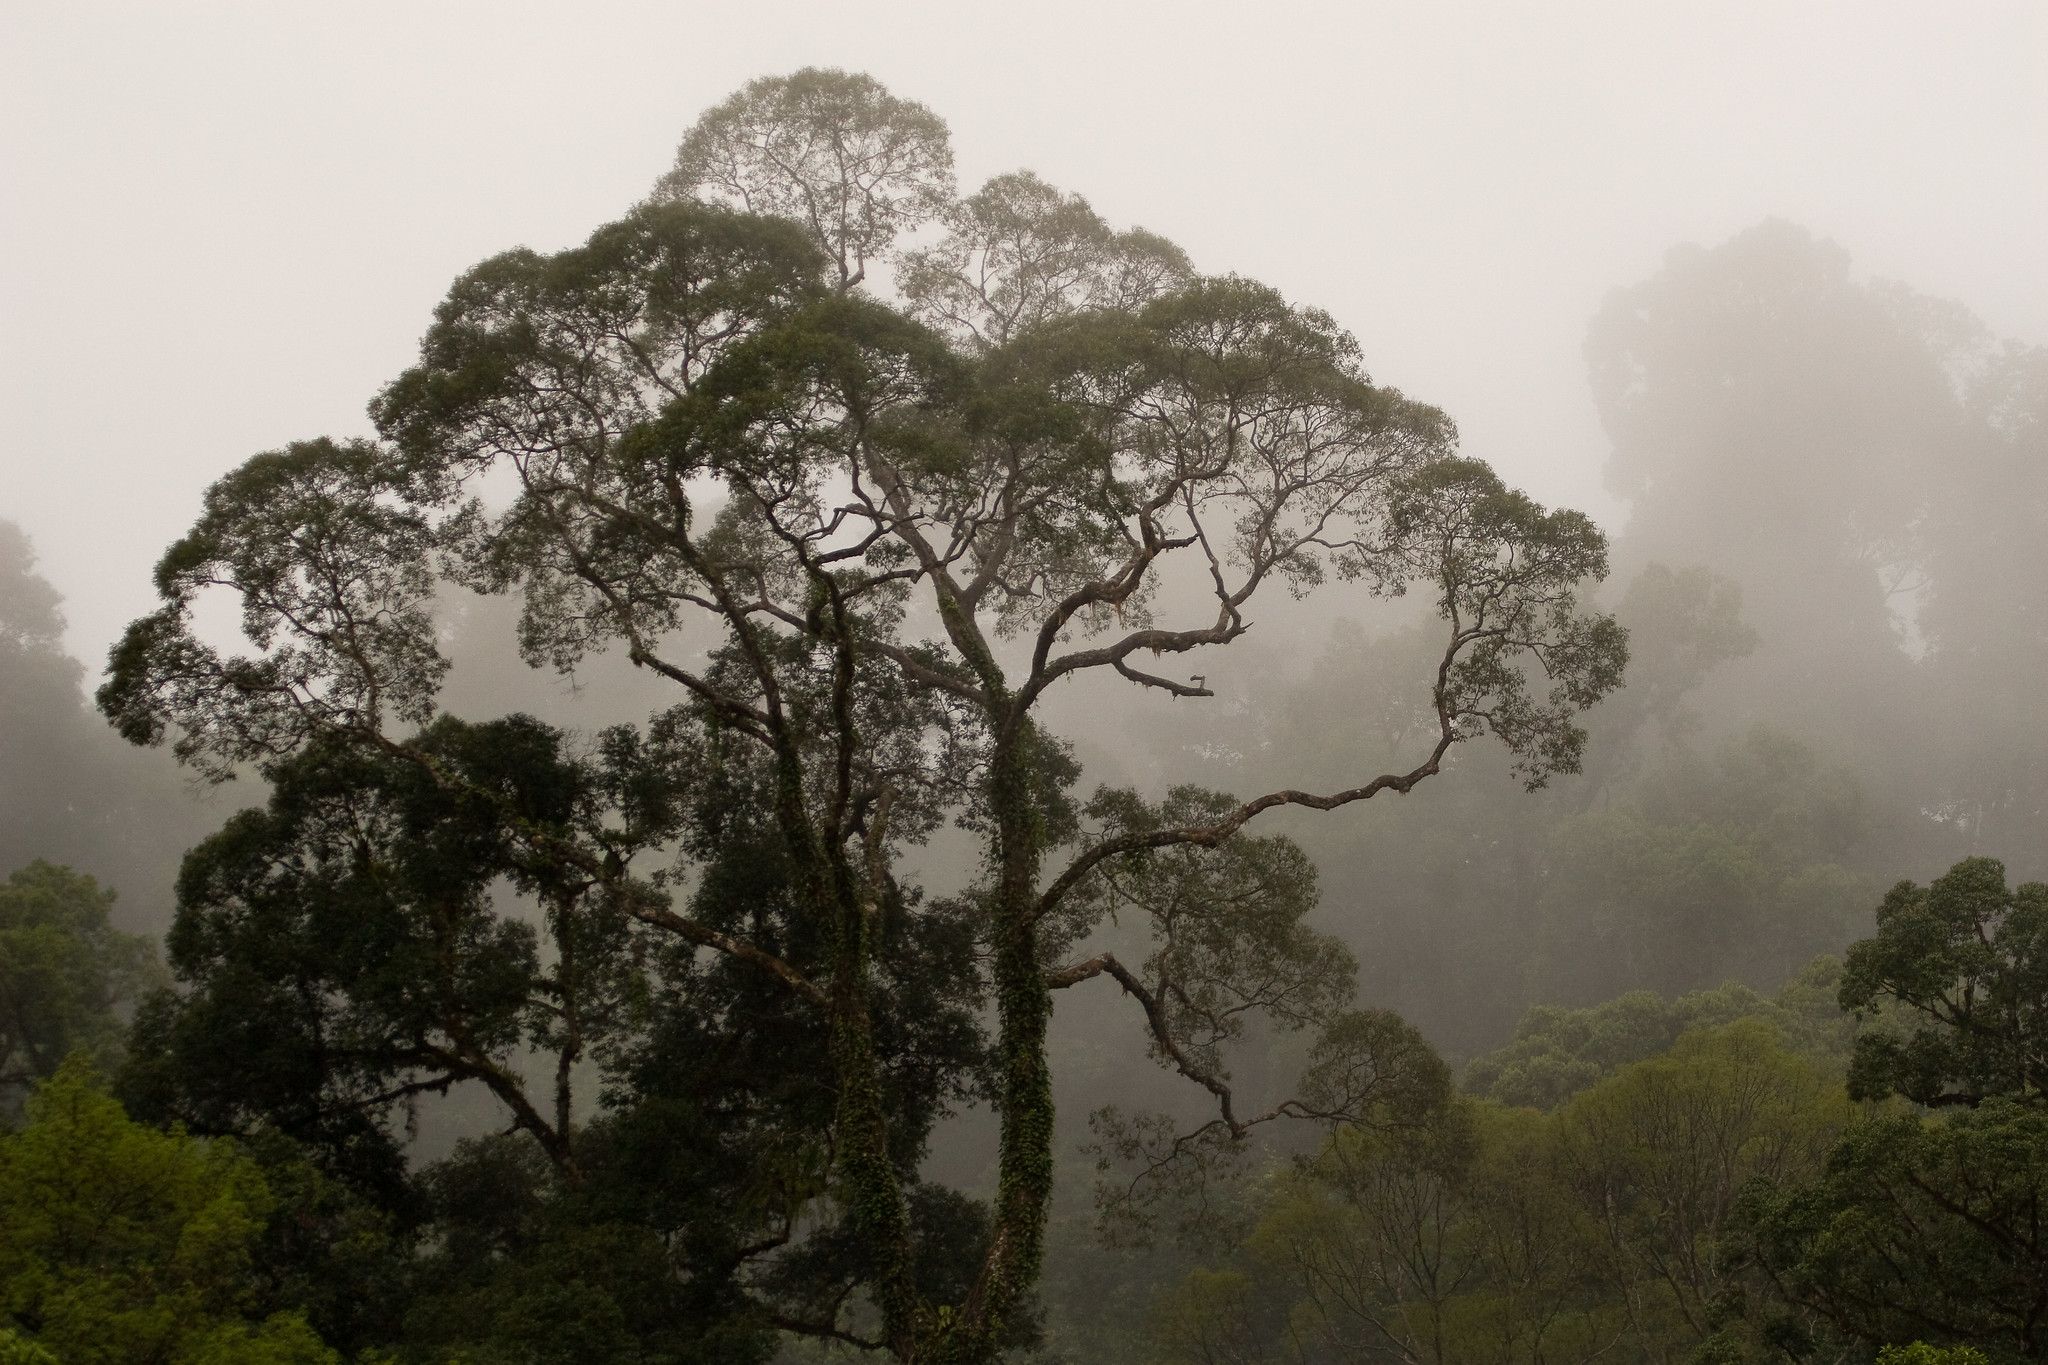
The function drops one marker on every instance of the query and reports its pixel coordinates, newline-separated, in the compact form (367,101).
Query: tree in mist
(1775,420)
(1556,1052)
(1717,866)
(67,978)
(1831,574)
(42,716)
(71,793)
(1867,463)
(864,541)
(1473,900)
(1965,961)
(1595,1230)
(1984,618)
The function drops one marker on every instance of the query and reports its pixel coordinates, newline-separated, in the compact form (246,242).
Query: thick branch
(1208,836)
(1156,1020)
(704,936)
(1165,684)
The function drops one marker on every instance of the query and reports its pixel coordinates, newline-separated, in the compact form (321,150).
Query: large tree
(864,539)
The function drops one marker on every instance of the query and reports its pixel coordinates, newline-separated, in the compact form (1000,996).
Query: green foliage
(1722,866)
(1661,1153)
(527,1268)
(1598,1230)
(1967,960)
(350,948)
(1214,1316)
(123,1244)
(1930,1225)
(1440,1244)
(1920,1353)
(1559,1052)
(344,949)
(1920,1227)
(16,1349)
(66,976)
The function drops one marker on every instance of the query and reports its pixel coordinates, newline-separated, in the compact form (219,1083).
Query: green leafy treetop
(1927,1226)
(1920,1353)
(863,542)
(124,1244)
(1966,959)
(1559,1052)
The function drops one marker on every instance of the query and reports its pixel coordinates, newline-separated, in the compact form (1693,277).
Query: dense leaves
(1595,1231)
(1967,959)
(1920,1229)
(123,1244)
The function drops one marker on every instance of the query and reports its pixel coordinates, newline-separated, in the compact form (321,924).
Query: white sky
(224,226)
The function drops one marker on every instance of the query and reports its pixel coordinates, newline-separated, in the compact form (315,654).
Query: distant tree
(1781,423)
(1868,464)
(1716,867)
(67,978)
(43,722)
(1987,555)
(1469,901)
(1556,1052)
(1683,625)
(70,791)
(864,548)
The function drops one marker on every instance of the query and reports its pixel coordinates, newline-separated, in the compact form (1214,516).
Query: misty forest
(869,769)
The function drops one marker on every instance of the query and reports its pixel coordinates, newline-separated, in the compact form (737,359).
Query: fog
(225,226)
(1762,289)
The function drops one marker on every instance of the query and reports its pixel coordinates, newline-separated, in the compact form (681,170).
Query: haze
(225,226)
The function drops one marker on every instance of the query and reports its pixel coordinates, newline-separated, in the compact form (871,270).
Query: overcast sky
(224,226)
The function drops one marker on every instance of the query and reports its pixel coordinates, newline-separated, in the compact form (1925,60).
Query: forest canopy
(1103,833)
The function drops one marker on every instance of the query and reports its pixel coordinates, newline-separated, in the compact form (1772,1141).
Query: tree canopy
(862,537)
